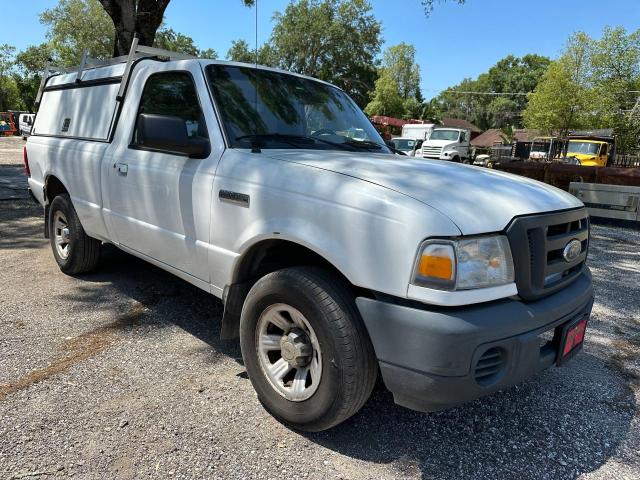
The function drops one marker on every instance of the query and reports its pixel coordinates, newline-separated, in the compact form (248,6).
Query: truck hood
(439,143)
(477,200)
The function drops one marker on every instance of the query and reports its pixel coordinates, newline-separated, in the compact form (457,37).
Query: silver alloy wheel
(61,234)
(288,352)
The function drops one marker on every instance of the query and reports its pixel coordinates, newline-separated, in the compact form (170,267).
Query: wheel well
(271,255)
(53,187)
(263,258)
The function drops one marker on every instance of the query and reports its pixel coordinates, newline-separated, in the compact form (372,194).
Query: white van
(334,260)
(25,122)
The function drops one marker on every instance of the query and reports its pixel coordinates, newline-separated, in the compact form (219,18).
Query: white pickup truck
(335,260)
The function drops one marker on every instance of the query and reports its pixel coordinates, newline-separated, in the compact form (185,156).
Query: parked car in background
(334,261)
(483,160)
(25,123)
(448,144)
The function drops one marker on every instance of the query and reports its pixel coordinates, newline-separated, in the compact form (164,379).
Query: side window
(171,95)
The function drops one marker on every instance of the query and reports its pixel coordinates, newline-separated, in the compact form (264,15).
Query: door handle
(123,168)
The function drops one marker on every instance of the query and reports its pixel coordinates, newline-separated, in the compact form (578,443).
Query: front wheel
(306,349)
(74,251)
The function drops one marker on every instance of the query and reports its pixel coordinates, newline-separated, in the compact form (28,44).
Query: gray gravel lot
(121,374)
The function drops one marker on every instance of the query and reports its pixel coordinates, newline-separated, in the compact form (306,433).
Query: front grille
(431,151)
(537,243)
(489,366)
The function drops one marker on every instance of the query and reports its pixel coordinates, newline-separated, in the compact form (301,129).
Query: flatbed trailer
(619,202)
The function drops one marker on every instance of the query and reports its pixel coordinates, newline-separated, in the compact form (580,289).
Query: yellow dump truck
(590,153)
(591,149)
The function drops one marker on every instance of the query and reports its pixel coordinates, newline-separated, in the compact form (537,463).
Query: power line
(484,93)
(493,93)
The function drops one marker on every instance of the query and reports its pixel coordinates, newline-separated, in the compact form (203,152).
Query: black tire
(83,251)
(349,366)
(456,159)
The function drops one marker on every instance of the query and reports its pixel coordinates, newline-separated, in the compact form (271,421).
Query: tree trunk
(134,17)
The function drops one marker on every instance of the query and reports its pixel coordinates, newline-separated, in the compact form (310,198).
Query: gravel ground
(120,374)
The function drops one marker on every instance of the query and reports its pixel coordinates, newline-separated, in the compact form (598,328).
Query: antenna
(255,147)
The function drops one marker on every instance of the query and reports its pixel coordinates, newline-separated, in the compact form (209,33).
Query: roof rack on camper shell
(87,63)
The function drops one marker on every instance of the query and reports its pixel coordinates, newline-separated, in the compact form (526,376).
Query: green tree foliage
(400,61)
(240,51)
(8,88)
(72,27)
(560,101)
(429,4)
(333,40)
(76,25)
(615,79)
(510,75)
(169,39)
(592,85)
(29,66)
(386,98)
(397,91)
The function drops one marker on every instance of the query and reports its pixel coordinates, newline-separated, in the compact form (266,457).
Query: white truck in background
(453,144)
(335,262)
(25,123)
(417,131)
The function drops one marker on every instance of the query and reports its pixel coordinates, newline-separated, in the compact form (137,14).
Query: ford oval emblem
(572,250)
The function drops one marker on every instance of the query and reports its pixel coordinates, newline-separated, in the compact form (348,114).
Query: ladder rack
(86,63)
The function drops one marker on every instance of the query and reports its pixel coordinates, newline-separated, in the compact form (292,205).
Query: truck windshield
(583,147)
(451,135)
(540,147)
(278,110)
(405,144)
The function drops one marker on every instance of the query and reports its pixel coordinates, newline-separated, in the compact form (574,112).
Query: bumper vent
(489,366)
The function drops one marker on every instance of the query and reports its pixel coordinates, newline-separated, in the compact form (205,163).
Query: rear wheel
(74,251)
(306,349)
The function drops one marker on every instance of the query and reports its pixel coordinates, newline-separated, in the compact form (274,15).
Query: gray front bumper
(429,358)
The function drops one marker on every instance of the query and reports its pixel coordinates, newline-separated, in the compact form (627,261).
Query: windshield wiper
(364,144)
(291,139)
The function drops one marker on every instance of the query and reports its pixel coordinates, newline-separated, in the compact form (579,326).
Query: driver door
(159,202)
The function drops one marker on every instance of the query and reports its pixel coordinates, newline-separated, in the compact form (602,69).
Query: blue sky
(453,43)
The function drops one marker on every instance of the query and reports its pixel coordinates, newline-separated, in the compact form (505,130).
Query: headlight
(465,263)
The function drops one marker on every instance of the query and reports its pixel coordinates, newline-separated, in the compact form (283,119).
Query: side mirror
(168,133)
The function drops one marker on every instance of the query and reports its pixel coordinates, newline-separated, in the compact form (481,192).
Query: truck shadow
(560,424)
(166,299)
